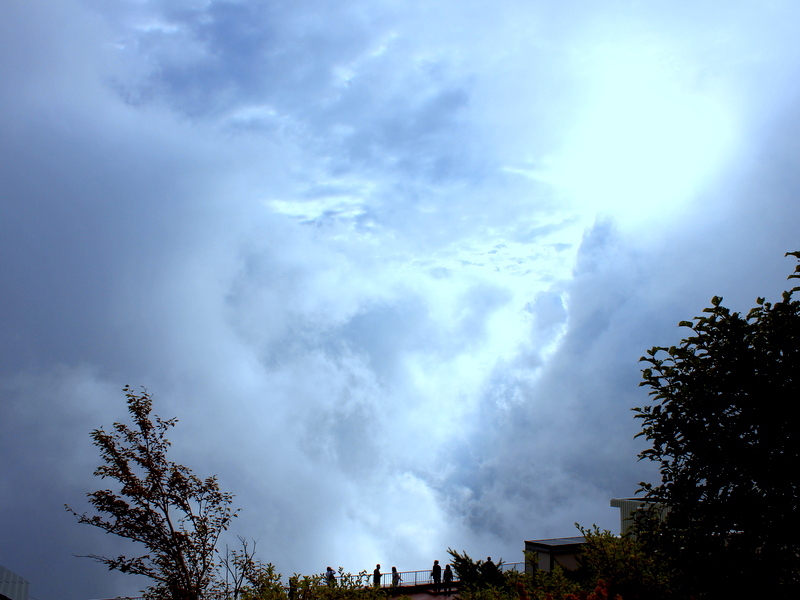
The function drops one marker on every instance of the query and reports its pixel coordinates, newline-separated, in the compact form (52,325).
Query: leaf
(161,505)
(726,448)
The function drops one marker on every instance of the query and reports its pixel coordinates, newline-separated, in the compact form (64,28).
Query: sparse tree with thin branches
(174,514)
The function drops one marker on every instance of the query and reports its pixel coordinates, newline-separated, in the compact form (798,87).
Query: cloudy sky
(391,264)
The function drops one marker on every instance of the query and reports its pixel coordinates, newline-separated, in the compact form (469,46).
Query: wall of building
(13,586)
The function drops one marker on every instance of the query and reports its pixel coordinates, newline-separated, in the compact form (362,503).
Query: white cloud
(355,248)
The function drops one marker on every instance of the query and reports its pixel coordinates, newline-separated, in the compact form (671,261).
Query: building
(629,508)
(564,552)
(12,586)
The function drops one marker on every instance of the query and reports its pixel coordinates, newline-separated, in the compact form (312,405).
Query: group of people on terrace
(442,579)
(437,575)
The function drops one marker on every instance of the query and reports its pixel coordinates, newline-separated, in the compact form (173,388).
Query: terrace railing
(408,578)
(416,578)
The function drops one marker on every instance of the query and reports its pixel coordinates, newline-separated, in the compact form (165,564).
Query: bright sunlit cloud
(645,143)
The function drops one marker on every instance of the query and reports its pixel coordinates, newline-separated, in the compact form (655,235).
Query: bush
(478,575)
(623,565)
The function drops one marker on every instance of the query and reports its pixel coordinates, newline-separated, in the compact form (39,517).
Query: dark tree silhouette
(725,431)
(174,514)
(477,575)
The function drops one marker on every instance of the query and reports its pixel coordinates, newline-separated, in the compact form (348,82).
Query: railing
(424,577)
(407,578)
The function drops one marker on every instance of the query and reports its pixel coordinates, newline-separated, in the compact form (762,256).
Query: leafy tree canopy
(723,425)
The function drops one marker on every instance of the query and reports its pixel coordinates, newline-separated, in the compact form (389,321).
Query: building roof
(557,542)
(13,586)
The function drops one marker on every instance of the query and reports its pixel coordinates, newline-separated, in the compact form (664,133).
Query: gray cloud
(351,247)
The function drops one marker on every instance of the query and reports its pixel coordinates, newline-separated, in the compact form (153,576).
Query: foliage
(601,591)
(477,575)
(728,450)
(623,565)
(258,581)
(538,585)
(477,582)
(265,585)
(551,585)
(488,593)
(174,514)
(246,577)
(348,587)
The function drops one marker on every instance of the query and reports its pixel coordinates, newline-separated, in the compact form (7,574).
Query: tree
(622,564)
(476,575)
(247,577)
(174,514)
(724,431)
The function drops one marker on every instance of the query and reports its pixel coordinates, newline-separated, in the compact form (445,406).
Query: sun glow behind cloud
(645,143)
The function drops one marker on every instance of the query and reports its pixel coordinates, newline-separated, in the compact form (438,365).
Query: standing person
(448,580)
(376,576)
(330,576)
(395,579)
(436,573)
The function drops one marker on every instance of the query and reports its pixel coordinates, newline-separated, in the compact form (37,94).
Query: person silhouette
(448,580)
(396,579)
(436,573)
(376,576)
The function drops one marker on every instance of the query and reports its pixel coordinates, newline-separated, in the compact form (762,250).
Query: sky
(391,264)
